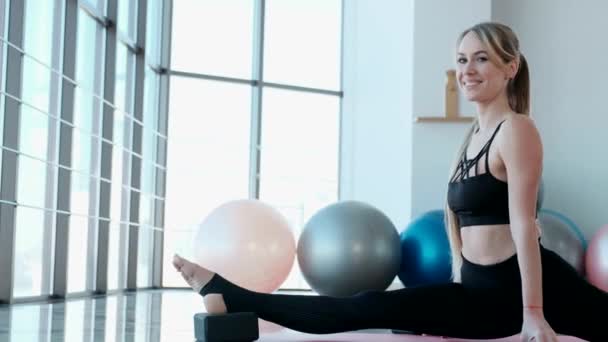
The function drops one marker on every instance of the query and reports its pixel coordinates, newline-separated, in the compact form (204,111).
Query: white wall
(376,126)
(437,26)
(564,43)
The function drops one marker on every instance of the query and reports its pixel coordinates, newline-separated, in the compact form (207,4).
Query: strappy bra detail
(481,199)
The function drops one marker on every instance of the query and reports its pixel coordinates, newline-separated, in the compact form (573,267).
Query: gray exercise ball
(560,235)
(349,247)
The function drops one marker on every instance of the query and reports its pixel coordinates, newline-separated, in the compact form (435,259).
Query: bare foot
(197,277)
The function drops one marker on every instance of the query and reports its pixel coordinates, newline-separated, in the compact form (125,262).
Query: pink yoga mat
(270,332)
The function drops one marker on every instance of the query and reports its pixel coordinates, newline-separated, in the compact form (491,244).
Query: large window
(213,37)
(254,112)
(37,121)
(302,42)
(80,99)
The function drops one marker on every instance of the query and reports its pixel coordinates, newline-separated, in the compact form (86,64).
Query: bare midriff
(487,244)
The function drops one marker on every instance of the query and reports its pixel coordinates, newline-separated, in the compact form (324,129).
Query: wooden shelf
(444,119)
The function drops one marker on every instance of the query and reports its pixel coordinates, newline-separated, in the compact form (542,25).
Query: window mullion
(62,220)
(107,132)
(256,99)
(136,162)
(10,138)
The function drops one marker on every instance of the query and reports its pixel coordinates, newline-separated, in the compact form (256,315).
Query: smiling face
(482,75)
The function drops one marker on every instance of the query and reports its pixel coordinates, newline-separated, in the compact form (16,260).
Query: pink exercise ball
(247,242)
(596,259)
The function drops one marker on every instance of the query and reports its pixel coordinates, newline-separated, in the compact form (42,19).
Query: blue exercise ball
(425,251)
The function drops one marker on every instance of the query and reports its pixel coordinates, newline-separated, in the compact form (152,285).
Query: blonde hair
(503,47)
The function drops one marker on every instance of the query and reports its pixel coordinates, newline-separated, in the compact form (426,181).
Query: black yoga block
(233,327)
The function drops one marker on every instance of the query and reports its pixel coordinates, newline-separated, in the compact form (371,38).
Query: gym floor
(150,315)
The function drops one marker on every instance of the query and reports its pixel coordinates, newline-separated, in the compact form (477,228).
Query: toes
(192,273)
(187,276)
(188,272)
(178,262)
(186,268)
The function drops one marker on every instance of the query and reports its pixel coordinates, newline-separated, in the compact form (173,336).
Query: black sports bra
(481,199)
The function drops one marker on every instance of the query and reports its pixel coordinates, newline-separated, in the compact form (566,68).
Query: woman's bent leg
(573,306)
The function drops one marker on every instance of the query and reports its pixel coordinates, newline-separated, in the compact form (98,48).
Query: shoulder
(519,129)
(519,123)
(520,137)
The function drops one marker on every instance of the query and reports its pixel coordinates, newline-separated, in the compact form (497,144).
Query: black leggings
(488,304)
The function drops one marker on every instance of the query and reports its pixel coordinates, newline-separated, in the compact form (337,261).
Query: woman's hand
(536,328)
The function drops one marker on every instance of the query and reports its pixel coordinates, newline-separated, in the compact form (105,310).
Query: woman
(505,282)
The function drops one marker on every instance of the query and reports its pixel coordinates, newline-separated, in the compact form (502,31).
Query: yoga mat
(270,332)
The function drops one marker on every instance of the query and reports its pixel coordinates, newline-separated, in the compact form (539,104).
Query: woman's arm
(521,150)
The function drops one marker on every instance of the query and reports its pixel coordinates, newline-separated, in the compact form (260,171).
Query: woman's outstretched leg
(445,310)
(313,314)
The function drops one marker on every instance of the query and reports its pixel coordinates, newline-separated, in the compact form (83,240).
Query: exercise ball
(425,251)
(563,237)
(247,242)
(596,259)
(348,247)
